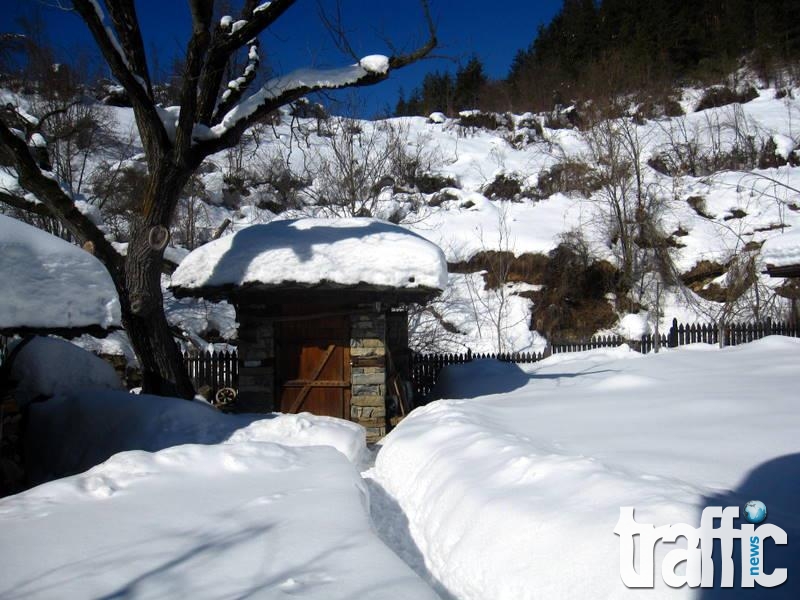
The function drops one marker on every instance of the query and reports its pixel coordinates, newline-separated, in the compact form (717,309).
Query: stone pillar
(368,378)
(256,361)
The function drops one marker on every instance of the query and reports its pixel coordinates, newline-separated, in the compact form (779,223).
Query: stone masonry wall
(256,362)
(368,378)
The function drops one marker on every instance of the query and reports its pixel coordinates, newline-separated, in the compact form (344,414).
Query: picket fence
(215,370)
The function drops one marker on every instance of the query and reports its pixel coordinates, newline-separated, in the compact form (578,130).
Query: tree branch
(202,11)
(126,24)
(280,91)
(23,204)
(225,42)
(257,18)
(151,129)
(48,191)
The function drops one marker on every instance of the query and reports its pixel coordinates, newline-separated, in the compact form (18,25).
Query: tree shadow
(486,377)
(777,484)
(392,527)
(69,434)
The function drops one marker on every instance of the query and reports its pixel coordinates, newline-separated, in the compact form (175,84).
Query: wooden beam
(319,383)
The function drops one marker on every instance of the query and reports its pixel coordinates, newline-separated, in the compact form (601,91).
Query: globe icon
(755,511)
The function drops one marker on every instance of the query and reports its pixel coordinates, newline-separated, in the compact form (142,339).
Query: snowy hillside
(701,193)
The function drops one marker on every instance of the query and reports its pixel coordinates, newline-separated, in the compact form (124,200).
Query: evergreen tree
(470,81)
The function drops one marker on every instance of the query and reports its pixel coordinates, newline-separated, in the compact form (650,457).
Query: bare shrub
(566,177)
(630,210)
(476,119)
(572,304)
(506,186)
(356,166)
(717,96)
(117,188)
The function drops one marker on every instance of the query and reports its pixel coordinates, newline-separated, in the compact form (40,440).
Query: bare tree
(212,115)
(357,162)
(492,305)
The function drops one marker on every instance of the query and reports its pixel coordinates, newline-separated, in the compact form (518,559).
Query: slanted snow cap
(782,251)
(49,285)
(355,252)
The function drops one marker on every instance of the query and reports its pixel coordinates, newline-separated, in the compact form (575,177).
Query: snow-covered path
(391,525)
(514,490)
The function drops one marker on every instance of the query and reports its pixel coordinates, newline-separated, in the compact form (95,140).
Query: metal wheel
(224,396)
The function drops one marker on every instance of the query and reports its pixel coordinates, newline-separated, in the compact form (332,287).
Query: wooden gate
(313,360)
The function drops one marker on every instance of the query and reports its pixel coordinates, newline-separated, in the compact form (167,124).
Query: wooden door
(313,359)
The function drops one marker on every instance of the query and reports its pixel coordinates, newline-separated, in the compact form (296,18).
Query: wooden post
(673,334)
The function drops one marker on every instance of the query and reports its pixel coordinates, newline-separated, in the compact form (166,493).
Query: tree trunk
(143,317)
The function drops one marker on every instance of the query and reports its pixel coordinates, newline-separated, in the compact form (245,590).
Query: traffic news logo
(697,555)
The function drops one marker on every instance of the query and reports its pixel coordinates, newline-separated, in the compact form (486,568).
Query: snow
(252,519)
(513,488)
(314,251)
(37,141)
(634,326)
(82,428)
(782,250)
(115,343)
(784,145)
(47,366)
(375,63)
(306,429)
(49,283)
(472,223)
(176,499)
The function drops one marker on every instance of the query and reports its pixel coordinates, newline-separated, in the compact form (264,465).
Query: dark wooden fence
(425,368)
(216,370)
(221,369)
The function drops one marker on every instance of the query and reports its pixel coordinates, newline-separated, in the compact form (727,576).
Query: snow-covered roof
(355,252)
(782,251)
(49,284)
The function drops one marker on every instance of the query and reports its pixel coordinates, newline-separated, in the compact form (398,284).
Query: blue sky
(494,31)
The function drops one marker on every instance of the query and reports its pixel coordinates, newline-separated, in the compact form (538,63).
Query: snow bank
(78,430)
(48,366)
(782,250)
(516,495)
(246,520)
(49,283)
(306,429)
(115,343)
(315,251)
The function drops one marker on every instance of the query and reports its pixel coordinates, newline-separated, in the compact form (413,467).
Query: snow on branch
(368,69)
(262,6)
(237,87)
